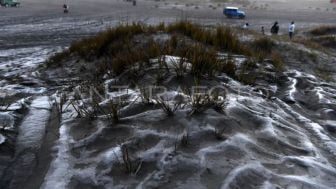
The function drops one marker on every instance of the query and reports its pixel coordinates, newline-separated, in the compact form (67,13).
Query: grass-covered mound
(323,36)
(118,49)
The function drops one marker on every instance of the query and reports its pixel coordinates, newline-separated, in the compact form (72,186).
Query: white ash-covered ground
(282,142)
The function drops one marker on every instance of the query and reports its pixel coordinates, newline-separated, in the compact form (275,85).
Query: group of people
(291,29)
(275,29)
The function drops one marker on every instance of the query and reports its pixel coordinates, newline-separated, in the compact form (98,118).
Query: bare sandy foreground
(259,13)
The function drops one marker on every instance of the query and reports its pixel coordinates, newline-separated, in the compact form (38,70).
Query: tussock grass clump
(103,44)
(249,65)
(204,61)
(167,107)
(323,73)
(262,48)
(56,60)
(92,107)
(100,44)
(247,73)
(248,78)
(230,68)
(122,60)
(277,61)
(310,43)
(326,41)
(222,37)
(225,39)
(185,28)
(181,67)
(202,102)
(263,44)
(323,30)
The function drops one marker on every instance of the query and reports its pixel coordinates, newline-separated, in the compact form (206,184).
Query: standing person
(66,8)
(291,30)
(275,28)
(263,30)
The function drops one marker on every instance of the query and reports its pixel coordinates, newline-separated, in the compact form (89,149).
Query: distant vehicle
(233,12)
(10,3)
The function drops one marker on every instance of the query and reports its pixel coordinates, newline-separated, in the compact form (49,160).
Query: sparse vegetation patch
(323,30)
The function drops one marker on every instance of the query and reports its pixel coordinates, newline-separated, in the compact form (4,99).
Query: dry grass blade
(59,103)
(167,106)
(146,95)
(131,166)
(185,139)
(114,110)
(126,159)
(180,67)
(200,103)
